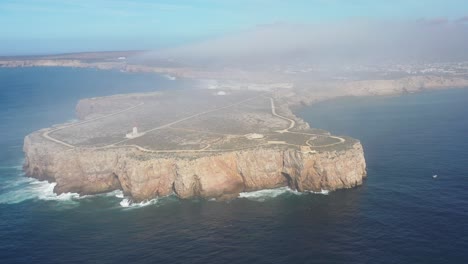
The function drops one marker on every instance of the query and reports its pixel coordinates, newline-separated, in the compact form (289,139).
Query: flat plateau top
(189,121)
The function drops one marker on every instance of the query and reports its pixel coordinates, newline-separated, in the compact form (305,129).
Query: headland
(233,134)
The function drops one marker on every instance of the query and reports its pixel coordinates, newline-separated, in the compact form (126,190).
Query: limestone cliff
(143,175)
(322,91)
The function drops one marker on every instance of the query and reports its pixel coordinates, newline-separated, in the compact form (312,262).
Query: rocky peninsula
(201,143)
(236,133)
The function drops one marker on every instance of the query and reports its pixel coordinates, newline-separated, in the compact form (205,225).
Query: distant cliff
(403,85)
(315,92)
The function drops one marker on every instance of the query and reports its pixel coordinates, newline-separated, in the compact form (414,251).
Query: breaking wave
(119,194)
(22,189)
(159,201)
(265,194)
(325,192)
(19,188)
(127,203)
(16,188)
(262,195)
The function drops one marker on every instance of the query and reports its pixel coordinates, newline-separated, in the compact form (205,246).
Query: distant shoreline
(295,96)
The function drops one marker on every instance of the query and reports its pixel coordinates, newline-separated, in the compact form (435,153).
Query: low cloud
(463,19)
(353,41)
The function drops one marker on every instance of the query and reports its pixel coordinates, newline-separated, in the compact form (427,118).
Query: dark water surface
(400,215)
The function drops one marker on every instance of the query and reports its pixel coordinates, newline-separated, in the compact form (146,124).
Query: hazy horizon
(232,31)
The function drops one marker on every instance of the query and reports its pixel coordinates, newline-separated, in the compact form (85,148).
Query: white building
(133,134)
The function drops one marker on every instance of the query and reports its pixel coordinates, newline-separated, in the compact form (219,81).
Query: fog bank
(351,41)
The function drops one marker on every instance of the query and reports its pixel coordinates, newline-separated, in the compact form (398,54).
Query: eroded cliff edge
(209,154)
(143,176)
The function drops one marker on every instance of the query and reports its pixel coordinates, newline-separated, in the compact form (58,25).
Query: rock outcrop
(221,175)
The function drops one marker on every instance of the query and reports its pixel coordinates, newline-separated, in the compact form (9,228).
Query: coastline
(33,164)
(217,173)
(390,186)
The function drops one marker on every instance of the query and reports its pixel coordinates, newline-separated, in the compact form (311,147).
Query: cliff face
(322,91)
(403,85)
(143,176)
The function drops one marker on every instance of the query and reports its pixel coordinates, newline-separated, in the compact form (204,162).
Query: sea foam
(22,189)
(163,200)
(263,195)
(127,203)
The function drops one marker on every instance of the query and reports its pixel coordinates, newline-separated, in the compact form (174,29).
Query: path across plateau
(292,124)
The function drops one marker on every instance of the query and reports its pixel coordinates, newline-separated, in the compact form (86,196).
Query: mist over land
(236,131)
(333,43)
(339,57)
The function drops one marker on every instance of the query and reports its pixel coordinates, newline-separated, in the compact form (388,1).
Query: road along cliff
(200,145)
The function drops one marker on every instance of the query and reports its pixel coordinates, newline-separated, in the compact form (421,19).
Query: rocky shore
(215,167)
(219,174)
(216,173)
(144,176)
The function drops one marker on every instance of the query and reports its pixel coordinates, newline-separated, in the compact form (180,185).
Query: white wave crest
(262,195)
(127,203)
(22,189)
(119,194)
(324,192)
(113,194)
(265,194)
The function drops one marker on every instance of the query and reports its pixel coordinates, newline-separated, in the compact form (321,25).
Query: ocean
(401,214)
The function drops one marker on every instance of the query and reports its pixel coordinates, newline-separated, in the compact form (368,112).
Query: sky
(57,26)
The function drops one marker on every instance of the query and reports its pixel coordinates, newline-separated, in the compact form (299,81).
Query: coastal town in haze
(125,61)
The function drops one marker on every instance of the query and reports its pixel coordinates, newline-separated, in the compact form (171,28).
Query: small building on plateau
(133,134)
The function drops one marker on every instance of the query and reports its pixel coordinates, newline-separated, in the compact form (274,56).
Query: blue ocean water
(400,215)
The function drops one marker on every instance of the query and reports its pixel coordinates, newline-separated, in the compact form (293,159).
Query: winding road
(292,124)
(273,112)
